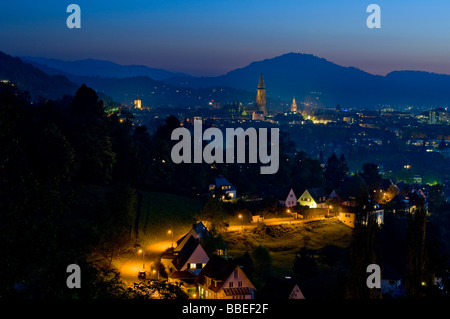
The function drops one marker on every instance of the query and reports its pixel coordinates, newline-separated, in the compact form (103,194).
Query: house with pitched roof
(198,231)
(290,200)
(192,257)
(223,189)
(184,265)
(277,288)
(223,279)
(313,198)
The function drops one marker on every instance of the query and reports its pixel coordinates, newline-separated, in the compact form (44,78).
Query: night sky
(213,37)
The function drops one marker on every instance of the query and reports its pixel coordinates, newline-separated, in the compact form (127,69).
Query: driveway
(130,264)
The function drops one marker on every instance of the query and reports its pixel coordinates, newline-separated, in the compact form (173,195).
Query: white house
(290,200)
(224,279)
(223,188)
(192,257)
(348,218)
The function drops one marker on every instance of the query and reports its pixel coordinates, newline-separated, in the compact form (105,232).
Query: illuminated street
(134,262)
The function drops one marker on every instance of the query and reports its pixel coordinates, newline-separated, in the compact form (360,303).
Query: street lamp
(171,232)
(143,254)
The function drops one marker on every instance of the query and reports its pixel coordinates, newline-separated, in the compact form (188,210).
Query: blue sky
(213,37)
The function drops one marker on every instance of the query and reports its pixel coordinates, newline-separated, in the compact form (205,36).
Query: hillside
(310,79)
(313,79)
(31,79)
(158,212)
(157,93)
(284,241)
(99,68)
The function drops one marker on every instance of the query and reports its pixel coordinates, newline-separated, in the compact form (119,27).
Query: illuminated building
(261,95)
(294,106)
(138,103)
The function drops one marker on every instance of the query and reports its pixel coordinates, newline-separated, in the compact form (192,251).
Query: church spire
(261,85)
(261,95)
(294,106)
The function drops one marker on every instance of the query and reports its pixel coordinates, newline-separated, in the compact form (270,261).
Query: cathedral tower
(294,106)
(261,95)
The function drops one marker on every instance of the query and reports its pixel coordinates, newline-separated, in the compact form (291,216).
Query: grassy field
(283,241)
(159,212)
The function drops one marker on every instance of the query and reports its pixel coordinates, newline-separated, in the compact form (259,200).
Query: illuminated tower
(138,103)
(294,106)
(261,95)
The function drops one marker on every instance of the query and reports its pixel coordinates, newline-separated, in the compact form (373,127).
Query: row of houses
(317,198)
(202,275)
(312,198)
(210,276)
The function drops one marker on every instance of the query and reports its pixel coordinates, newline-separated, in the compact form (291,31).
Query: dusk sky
(213,37)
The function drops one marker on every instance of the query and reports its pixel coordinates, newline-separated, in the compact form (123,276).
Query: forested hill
(29,78)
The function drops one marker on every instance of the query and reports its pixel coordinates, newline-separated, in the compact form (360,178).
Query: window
(191,266)
(239,283)
(230,284)
(199,266)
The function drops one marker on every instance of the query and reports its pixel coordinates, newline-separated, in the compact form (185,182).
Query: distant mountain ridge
(99,68)
(308,78)
(43,81)
(35,81)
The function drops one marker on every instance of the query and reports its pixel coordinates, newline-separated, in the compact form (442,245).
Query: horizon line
(222,74)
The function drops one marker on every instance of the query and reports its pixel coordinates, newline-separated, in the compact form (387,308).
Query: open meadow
(283,241)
